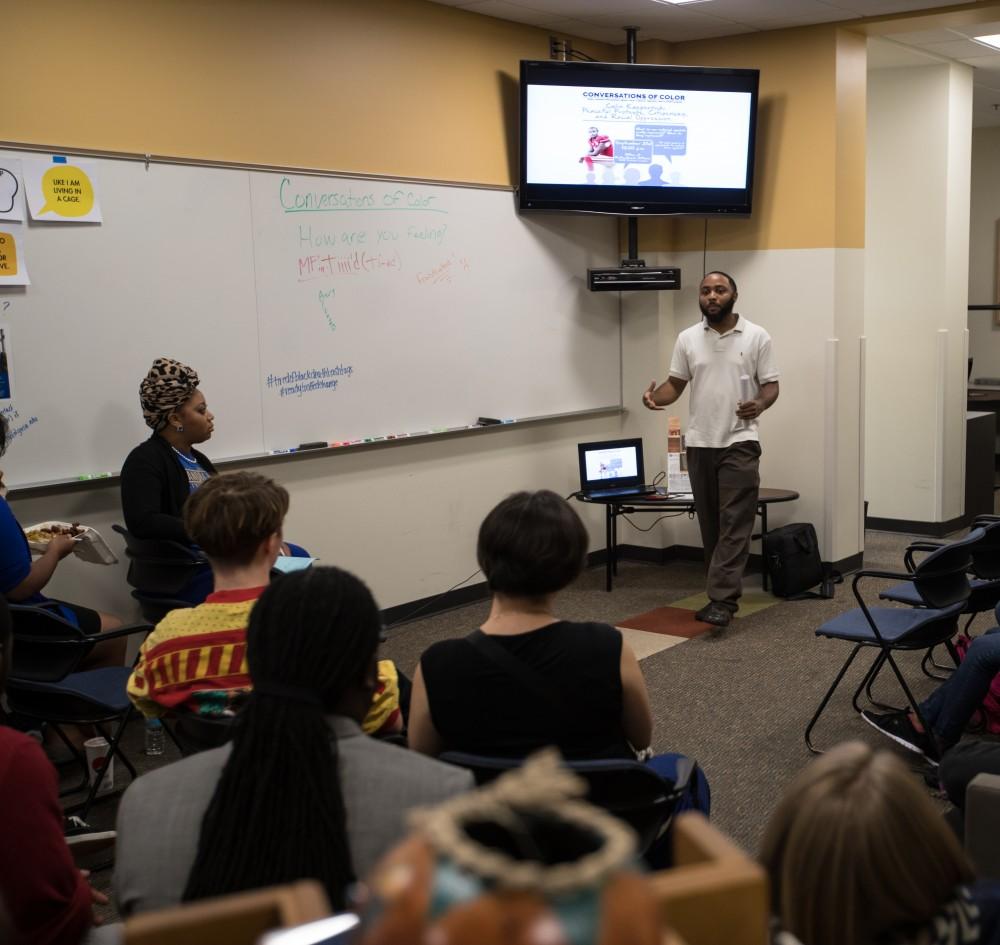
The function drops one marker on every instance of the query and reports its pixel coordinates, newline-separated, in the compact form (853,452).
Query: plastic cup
(97,751)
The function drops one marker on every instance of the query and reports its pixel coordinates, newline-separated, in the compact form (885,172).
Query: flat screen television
(635,140)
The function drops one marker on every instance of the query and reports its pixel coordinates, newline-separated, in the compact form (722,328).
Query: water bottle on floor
(154,737)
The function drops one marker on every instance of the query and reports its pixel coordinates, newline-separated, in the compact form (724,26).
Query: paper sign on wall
(5,368)
(62,190)
(13,270)
(11,190)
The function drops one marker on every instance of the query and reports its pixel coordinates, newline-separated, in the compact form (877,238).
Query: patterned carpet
(663,627)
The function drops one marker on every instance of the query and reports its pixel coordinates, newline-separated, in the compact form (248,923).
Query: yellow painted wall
(809,182)
(399,87)
(407,88)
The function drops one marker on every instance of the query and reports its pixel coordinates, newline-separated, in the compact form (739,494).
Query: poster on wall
(13,269)
(5,385)
(62,190)
(11,191)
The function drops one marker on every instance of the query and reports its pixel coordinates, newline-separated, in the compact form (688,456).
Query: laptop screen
(611,463)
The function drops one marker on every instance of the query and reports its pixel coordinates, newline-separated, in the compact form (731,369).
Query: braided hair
(278,814)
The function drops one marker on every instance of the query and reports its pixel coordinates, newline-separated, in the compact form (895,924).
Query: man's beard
(724,310)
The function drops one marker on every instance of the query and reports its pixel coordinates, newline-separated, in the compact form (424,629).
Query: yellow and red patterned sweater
(195,661)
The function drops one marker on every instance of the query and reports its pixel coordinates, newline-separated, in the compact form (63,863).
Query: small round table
(623,505)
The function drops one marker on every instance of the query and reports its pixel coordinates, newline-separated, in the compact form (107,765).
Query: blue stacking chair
(628,789)
(45,682)
(984,584)
(942,583)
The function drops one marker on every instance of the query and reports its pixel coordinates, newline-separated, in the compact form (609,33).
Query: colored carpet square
(672,621)
(646,644)
(751,602)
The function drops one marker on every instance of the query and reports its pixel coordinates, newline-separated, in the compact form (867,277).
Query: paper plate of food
(90,546)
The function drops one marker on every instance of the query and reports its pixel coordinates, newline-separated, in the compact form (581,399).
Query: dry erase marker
(290,449)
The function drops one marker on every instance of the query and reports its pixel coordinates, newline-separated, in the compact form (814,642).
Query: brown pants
(725,483)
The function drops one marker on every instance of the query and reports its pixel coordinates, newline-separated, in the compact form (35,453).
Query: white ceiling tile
(803,19)
(919,37)
(979,29)
(502,10)
(602,20)
(762,9)
(883,54)
(580,9)
(678,30)
(954,50)
(884,7)
(599,33)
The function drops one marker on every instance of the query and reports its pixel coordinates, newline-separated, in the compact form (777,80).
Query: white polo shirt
(712,364)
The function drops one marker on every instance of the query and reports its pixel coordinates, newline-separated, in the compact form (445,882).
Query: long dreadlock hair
(277,814)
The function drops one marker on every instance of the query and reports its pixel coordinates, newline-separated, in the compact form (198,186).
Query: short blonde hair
(855,850)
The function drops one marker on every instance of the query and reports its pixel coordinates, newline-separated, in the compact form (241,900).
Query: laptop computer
(612,468)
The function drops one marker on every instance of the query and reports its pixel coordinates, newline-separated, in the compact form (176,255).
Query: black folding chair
(942,582)
(985,583)
(628,789)
(46,683)
(158,571)
(195,733)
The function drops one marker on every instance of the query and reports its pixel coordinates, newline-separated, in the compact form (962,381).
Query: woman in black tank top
(527,679)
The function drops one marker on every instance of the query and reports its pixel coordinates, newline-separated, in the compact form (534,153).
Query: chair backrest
(942,577)
(159,566)
(628,789)
(239,919)
(154,607)
(714,894)
(197,733)
(47,647)
(986,552)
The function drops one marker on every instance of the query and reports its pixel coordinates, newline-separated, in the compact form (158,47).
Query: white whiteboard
(314,307)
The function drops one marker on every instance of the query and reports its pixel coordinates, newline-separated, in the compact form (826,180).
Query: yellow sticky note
(8,255)
(67,190)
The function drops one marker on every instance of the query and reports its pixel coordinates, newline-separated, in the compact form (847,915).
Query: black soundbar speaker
(632,277)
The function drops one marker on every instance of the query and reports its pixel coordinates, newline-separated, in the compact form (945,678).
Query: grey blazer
(159,818)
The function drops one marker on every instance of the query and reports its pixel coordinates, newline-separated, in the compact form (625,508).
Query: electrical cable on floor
(432,600)
(656,521)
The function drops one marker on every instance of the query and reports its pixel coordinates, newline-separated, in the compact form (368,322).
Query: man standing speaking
(727,360)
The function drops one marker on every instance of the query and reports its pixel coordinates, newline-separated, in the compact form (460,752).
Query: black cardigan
(154,490)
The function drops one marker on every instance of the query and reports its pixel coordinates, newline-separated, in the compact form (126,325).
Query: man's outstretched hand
(647,398)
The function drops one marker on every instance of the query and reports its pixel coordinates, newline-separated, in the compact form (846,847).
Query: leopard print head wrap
(167,385)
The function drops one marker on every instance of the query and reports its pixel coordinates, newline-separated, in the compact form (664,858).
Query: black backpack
(793,562)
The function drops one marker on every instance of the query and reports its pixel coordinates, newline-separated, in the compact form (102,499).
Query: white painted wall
(403,517)
(984,339)
(916,289)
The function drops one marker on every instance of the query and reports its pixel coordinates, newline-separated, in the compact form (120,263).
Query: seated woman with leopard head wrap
(162,472)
